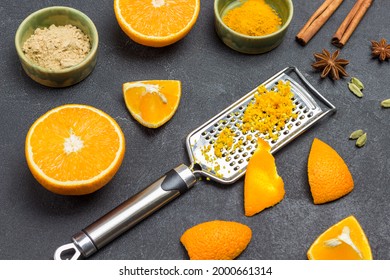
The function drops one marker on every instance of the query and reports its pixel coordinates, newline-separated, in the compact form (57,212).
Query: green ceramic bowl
(57,15)
(252,44)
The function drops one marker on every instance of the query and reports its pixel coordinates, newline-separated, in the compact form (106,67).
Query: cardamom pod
(361,141)
(385,103)
(355,90)
(356,134)
(357,82)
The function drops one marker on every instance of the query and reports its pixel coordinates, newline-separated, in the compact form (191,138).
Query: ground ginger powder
(253,18)
(57,47)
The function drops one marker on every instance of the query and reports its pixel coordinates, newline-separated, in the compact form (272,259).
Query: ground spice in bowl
(253,18)
(57,47)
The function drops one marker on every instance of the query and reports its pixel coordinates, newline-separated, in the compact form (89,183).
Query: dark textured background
(34,222)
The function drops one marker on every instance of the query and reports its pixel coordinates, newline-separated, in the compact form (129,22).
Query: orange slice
(263,187)
(216,240)
(156,23)
(152,103)
(329,176)
(74,149)
(345,240)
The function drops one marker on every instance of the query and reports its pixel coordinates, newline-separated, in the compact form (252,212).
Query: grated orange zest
(224,141)
(270,110)
(268,113)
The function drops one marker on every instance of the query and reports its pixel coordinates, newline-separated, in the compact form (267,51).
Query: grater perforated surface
(232,165)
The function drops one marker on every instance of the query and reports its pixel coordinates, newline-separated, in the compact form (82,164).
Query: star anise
(329,64)
(380,49)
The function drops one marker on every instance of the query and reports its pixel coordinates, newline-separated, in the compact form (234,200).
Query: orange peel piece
(216,240)
(329,176)
(263,187)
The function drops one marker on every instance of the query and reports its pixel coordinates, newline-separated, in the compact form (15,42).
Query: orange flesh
(96,154)
(341,252)
(321,251)
(150,106)
(149,18)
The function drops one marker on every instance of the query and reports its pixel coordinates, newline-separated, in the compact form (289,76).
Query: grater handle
(130,212)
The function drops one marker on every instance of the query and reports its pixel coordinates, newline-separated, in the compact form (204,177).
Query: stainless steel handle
(130,212)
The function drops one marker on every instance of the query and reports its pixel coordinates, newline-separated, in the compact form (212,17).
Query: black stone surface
(34,222)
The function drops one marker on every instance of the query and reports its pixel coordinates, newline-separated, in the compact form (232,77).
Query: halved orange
(74,149)
(152,103)
(156,23)
(263,187)
(345,240)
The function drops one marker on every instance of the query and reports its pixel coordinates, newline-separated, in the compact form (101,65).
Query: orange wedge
(156,23)
(152,103)
(263,187)
(216,240)
(74,149)
(345,240)
(329,176)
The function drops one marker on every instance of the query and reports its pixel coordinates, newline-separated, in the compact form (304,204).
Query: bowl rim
(89,57)
(282,29)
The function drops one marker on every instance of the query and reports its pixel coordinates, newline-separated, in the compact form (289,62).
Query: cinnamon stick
(317,20)
(350,23)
